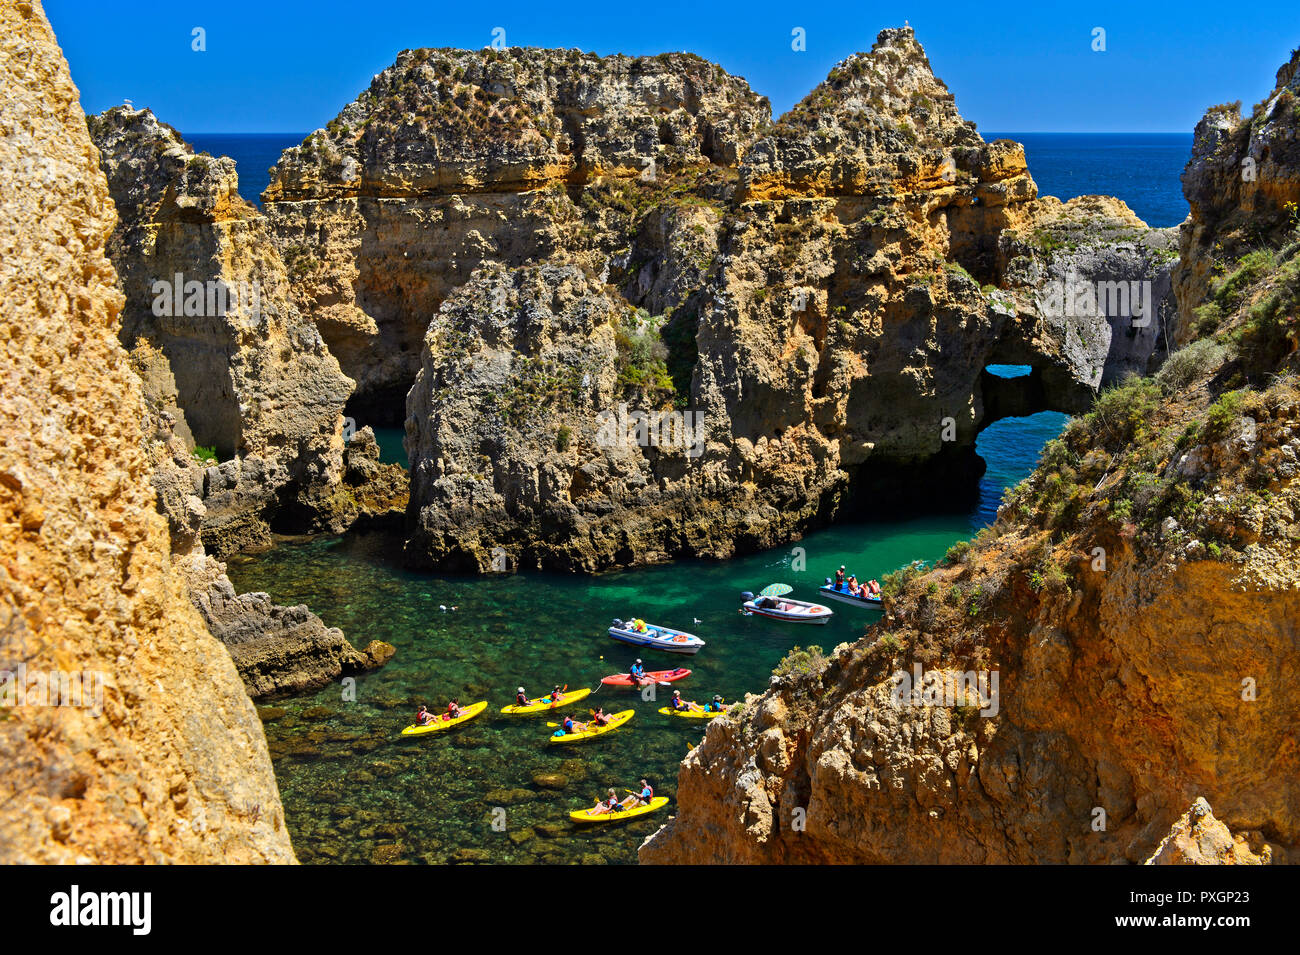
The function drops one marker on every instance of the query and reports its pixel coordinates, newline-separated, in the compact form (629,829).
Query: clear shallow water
(356,792)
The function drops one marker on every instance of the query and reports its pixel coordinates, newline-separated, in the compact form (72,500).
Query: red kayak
(651,676)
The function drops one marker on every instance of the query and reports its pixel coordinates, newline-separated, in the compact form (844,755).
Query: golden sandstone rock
(168,763)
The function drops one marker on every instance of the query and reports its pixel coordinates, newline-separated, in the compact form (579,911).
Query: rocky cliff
(229,365)
(154,752)
(456,157)
(1114,649)
(208,313)
(820,316)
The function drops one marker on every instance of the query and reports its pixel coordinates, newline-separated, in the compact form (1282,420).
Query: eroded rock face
(453,158)
(175,766)
(249,376)
(1197,838)
(824,318)
(276,649)
(1242,174)
(1134,596)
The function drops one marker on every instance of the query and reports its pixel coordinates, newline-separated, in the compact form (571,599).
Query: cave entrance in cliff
(1011,391)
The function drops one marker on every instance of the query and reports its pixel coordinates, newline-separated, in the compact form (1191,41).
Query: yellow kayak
(691,714)
(543,703)
(589,815)
(438,725)
(615,721)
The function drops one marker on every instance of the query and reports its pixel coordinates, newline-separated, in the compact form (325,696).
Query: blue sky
(287,66)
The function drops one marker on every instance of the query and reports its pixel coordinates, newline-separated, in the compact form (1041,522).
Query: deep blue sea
(1140,168)
(254,155)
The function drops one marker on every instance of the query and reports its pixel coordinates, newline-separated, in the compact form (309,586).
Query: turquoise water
(355,792)
(391,450)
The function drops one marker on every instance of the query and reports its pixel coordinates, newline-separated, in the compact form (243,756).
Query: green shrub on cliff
(802,662)
(205,455)
(642,357)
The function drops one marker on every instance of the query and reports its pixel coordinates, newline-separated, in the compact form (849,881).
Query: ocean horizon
(1143,169)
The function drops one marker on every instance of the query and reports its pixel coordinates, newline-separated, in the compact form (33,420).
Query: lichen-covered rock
(169,764)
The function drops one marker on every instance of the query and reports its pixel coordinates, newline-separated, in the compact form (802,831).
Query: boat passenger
(423,717)
(682,706)
(641,798)
(854,589)
(609,804)
(873,587)
(839,578)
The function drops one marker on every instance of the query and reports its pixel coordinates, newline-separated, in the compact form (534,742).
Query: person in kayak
(641,798)
(637,673)
(521,698)
(609,804)
(570,725)
(423,717)
(683,706)
(599,716)
(717,706)
(453,709)
(556,695)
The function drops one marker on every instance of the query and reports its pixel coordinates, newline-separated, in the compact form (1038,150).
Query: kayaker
(677,703)
(423,717)
(521,698)
(599,716)
(716,706)
(839,578)
(570,725)
(609,804)
(637,673)
(453,709)
(556,695)
(639,798)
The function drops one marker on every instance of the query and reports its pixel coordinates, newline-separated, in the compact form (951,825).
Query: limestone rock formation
(1113,649)
(276,649)
(828,318)
(453,158)
(208,296)
(91,609)
(1197,838)
(1243,173)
